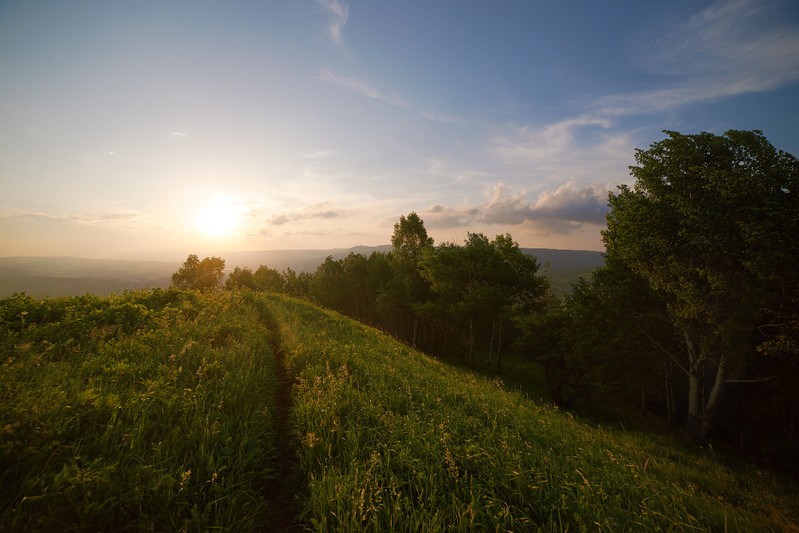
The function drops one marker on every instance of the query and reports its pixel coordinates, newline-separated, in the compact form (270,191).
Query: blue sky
(154,129)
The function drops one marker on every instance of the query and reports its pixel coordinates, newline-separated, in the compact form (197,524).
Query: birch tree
(709,224)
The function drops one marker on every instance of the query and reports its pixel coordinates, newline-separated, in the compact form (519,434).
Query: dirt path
(282,494)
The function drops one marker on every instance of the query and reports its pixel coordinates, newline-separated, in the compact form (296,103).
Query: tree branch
(665,351)
(749,380)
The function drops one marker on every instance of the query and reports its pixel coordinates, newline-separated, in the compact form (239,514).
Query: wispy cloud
(553,141)
(122,218)
(437,116)
(323,211)
(100,218)
(338,12)
(318,154)
(360,87)
(728,49)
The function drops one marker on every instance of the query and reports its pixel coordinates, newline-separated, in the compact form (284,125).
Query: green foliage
(392,440)
(410,240)
(150,410)
(711,225)
(482,282)
(241,278)
(205,275)
(605,337)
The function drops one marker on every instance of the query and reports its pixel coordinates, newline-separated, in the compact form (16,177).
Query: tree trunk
(708,416)
(694,372)
(491,344)
(471,343)
(643,396)
(671,408)
(499,347)
(415,328)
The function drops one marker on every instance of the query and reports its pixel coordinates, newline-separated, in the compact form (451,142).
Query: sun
(221,218)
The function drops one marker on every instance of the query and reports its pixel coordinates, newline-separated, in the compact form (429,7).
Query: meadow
(172,410)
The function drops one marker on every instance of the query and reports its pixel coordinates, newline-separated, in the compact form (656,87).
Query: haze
(156,129)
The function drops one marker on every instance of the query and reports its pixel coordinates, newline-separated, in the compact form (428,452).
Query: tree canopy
(711,224)
(205,275)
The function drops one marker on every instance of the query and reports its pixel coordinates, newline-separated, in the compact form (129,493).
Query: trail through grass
(175,411)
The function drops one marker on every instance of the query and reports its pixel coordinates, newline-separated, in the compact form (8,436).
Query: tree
(400,299)
(240,278)
(297,285)
(205,275)
(410,239)
(268,279)
(480,282)
(608,334)
(711,225)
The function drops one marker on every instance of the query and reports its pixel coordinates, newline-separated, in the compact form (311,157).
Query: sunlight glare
(221,218)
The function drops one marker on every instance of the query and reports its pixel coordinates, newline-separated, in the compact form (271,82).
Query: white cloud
(360,87)
(564,209)
(339,12)
(552,142)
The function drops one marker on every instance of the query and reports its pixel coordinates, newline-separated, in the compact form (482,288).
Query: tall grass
(391,440)
(159,411)
(150,410)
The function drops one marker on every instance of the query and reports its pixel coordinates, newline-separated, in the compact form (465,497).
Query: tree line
(694,315)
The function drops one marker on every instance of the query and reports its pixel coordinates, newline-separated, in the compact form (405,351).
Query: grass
(147,411)
(165,410)
(390,439)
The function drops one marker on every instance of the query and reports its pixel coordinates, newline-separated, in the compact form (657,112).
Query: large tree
(205,275)
(711,224)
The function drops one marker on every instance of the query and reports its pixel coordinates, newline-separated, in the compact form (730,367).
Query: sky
(154,129)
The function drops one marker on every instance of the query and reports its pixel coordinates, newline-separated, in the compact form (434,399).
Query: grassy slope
(161,410)
(393,440)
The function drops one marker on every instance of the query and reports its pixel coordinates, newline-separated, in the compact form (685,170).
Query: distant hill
(565,267)
(72,276)
(299,260)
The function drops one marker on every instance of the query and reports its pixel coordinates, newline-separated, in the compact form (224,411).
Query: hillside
(168,410)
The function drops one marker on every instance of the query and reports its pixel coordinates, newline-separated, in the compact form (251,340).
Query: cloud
(98,218)
(360,87)
(555,140)
(321,211)
(437,116)
(732,47)
(439,216)
(564,209)
(29,216)
(339,12)
(319,154)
